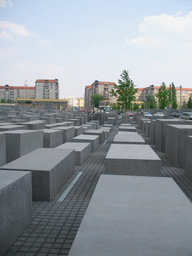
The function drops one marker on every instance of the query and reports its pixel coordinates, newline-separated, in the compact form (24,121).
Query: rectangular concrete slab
(130,159)
(2,149)
(78,130)
(160,131)
(128,138)
(127,128)
(82,150)
(50,168)
(130,216)
(35,125)
(12,127)
(176,139)
(52,138)
(99,132)
(188,158)
(15,206)
(93,139)
(68,132)
(22,142)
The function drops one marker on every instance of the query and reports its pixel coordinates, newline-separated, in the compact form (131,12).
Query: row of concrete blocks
(38,175)
(16,142)
(172,136)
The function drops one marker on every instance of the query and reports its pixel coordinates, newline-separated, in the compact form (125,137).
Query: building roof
(44,81)
(18,87)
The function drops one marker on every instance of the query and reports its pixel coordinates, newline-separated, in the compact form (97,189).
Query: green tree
(9,101)
(151,102)
(189,103)
(142,105)
(164,96)
(173,96)
(125,91)
(96,99)
(135,106)
(2,100)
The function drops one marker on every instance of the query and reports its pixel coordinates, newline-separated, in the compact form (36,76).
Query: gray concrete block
(111,120)
(15,206)
(50,168)
(160,131)
(152,131)
(52,138)
(68,132)
(76,122)
(129,216)
(127,128)
(35,125)
(138,160)
(78,130)
(82,150)
(175,147)
(93,139)
(147,128)
(96,123)
(22,142)
(2,149)
(188,158)
(99,132)
(12,127)
(128,138)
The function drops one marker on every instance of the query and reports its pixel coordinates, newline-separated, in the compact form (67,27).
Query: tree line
(125,92)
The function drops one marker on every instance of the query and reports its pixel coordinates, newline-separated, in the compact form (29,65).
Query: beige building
(75,102)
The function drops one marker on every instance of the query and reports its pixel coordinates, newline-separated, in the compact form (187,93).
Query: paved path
(56,223)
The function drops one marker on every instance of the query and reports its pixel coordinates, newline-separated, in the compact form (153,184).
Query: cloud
(14,28)
(44,42)
(4,2)
(8,53)
(6,36)
(164,30)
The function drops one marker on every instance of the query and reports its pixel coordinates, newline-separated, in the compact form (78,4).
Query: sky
(80,41)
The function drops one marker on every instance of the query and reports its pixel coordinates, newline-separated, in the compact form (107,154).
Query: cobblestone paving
(55,224)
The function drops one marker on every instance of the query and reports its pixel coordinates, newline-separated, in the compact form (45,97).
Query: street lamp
(180,99)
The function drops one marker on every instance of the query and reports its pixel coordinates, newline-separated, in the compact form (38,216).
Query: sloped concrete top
(135,216)
(9,177)
(130,151)
(42,159)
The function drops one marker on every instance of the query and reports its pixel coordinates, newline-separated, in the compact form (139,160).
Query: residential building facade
(13,92)
(46,89)
(75,102)
(87,97)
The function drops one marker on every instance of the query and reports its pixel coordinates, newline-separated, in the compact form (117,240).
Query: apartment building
(46,89)
(104,89)
(13,92)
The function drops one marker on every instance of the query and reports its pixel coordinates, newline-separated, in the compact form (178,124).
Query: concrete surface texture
(78,130)
(82,150)
(52,138)
(160,131)
(188,158)
(93,139)
(127,128)
(176,139)
(128,138)
(99,132)
(35,125)
(135,216)
(12,127)
(51,168)
(130,159)
(15,206)
(68,132)
(2,149)
(22,142)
